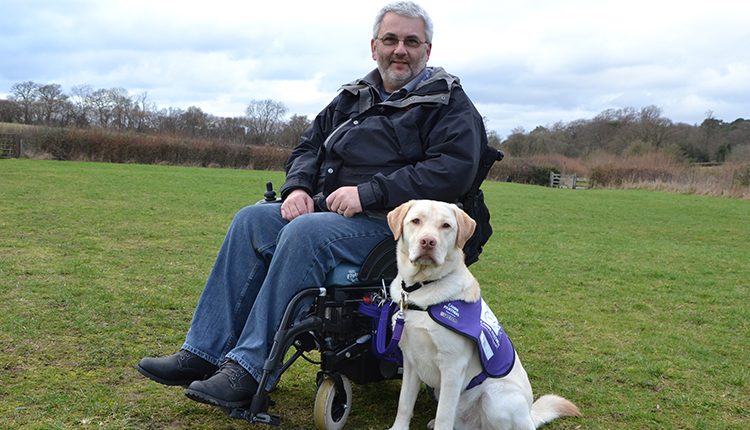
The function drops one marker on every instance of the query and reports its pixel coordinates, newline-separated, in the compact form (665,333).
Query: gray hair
(408,9)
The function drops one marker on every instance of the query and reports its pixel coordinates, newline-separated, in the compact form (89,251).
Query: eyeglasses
(410,42)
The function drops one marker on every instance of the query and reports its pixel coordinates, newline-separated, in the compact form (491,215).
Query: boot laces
(233,370)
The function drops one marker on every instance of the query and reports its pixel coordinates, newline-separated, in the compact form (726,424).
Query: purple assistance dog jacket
(477,322)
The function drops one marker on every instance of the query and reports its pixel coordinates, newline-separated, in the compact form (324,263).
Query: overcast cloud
(524,63)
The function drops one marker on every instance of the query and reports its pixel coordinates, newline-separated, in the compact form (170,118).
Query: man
(402,132)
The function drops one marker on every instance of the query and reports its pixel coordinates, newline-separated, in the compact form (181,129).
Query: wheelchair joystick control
(270,194)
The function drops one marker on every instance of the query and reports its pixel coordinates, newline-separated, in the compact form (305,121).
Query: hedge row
(101,145)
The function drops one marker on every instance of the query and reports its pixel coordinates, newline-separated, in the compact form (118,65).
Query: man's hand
(344,201)
(297,203)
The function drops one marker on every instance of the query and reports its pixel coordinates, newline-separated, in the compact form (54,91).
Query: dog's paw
(400,424)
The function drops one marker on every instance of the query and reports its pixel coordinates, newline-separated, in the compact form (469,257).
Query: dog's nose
(427,242)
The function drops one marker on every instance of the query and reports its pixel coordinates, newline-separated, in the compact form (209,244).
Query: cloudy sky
(524,63)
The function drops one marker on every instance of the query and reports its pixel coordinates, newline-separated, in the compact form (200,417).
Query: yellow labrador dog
(477,387)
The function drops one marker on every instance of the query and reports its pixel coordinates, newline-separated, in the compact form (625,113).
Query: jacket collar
(438,83)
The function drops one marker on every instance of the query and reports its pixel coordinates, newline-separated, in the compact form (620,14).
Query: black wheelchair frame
(342,335)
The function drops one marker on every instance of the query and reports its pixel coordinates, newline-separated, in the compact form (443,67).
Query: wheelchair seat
(380,264)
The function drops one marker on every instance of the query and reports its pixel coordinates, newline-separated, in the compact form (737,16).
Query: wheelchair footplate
(260,405)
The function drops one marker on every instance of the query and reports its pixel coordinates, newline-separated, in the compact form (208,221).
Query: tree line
(630,131)
(116,109)
(627,131)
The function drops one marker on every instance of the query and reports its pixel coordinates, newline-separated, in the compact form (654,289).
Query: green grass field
(633,304)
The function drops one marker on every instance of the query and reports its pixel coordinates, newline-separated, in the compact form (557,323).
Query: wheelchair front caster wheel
(333,403)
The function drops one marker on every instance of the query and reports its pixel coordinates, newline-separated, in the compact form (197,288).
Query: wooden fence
(557,180)
(10,146)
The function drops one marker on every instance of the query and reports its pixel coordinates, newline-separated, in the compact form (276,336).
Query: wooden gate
(10,146)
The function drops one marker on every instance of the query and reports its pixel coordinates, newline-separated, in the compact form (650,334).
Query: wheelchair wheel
(332,405)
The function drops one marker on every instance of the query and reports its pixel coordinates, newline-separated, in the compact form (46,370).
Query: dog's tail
(550,407)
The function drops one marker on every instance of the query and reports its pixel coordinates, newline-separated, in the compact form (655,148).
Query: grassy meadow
(631,303)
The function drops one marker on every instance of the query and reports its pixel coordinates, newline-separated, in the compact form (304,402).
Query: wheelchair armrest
(380,262)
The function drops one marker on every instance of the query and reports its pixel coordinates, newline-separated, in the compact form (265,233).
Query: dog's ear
(466,226)
(396,218)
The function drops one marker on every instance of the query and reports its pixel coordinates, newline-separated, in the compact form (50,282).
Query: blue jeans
(263,262)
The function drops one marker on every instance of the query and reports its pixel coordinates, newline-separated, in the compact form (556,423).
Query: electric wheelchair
(332,320)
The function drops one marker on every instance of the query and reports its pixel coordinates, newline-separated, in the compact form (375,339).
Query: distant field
(633,304)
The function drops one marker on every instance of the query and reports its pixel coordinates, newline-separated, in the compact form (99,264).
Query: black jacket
(422,145)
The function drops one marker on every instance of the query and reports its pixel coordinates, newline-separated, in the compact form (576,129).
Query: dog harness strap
(477,380)
(391,350)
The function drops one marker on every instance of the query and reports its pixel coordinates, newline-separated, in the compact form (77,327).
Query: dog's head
(429,231)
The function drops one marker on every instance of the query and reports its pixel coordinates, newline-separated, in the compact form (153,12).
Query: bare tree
(264,118)
(232,129)
(52,102)
(516,144)
(26,95)
(195,121)
(141,110)
(101,107)
(168,120)
(10,111)
(79,100)
(111,108)
(121,108)
(652,127)
(291,131)
(493,138)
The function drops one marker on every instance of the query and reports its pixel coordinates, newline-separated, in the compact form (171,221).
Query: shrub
(612,175)
(560,164)
(269,158)
(108,146)
(609,170)
(741,176)
(536,169)
(522,171)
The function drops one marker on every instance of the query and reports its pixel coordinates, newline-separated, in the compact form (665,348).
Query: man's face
(397,62)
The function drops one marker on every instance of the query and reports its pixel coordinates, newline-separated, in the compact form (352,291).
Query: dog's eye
(416,221)
(446,225)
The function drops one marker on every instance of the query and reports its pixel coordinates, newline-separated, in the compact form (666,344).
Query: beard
(397,78)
